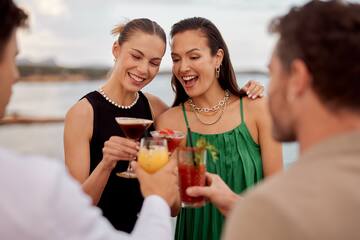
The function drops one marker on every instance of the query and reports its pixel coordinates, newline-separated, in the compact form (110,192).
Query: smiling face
(138,60)
(8,72)
(193,64)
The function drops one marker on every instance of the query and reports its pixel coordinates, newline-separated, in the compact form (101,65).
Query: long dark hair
(227,78)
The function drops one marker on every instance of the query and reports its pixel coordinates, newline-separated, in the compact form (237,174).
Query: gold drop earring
(217,72)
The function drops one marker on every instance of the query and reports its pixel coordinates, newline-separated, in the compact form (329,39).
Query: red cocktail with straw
(191,169)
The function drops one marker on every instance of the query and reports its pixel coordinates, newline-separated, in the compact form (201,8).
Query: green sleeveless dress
(239,165)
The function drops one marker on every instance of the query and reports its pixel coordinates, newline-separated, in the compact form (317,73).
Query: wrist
(106,165)
(230,203)
(158,195)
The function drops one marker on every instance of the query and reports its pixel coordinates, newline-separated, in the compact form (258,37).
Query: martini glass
(133,128)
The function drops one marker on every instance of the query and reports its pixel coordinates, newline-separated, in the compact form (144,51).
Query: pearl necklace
(101,91)
(214,108)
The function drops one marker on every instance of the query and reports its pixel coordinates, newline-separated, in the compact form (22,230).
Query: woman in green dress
(209,101)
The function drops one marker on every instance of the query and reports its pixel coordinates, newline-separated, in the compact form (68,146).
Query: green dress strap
(188,135)
(241,110)
(185,117)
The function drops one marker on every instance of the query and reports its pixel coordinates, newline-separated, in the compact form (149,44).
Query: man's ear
(300,80)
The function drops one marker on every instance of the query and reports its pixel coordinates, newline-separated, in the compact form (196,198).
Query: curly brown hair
(326,36)
(11,17)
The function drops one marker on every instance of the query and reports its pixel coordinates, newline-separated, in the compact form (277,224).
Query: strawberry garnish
(166,132)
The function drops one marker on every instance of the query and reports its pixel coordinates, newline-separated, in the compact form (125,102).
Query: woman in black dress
(93,140)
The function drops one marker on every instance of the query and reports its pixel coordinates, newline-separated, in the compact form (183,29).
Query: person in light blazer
(39,200)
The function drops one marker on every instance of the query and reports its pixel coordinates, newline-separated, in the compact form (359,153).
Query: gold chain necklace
(214,108)
(210,123)
(221,105)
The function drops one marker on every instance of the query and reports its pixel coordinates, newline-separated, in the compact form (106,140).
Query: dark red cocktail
(192,169)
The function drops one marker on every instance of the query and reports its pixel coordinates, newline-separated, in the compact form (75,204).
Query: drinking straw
(189,136)
(191,145)
(146,133)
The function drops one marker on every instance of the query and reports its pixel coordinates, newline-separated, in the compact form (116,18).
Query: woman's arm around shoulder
(77,134)
(271,151)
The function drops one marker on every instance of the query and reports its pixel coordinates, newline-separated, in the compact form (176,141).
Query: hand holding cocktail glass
(191,162)
(163,182)
(118,148)
(217,192)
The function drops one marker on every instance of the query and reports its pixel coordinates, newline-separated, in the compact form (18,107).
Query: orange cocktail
(153,154)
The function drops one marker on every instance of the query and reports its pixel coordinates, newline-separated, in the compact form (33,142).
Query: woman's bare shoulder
(172,112)
(255,106)
(257,110)
(172,118)
(80,111)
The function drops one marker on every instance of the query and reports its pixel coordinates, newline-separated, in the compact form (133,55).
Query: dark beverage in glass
(134,128)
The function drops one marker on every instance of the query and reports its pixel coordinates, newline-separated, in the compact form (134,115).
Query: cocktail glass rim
(177,134)
(143,120)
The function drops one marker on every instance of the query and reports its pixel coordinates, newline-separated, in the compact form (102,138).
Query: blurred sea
(54,99)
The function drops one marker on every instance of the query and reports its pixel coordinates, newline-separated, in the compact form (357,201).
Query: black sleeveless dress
(121,200)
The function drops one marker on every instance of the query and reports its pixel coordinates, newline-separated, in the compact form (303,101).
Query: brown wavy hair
(227,78)
(325,35)
(11,17)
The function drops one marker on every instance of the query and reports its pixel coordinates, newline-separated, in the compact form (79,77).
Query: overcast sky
(77,32)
